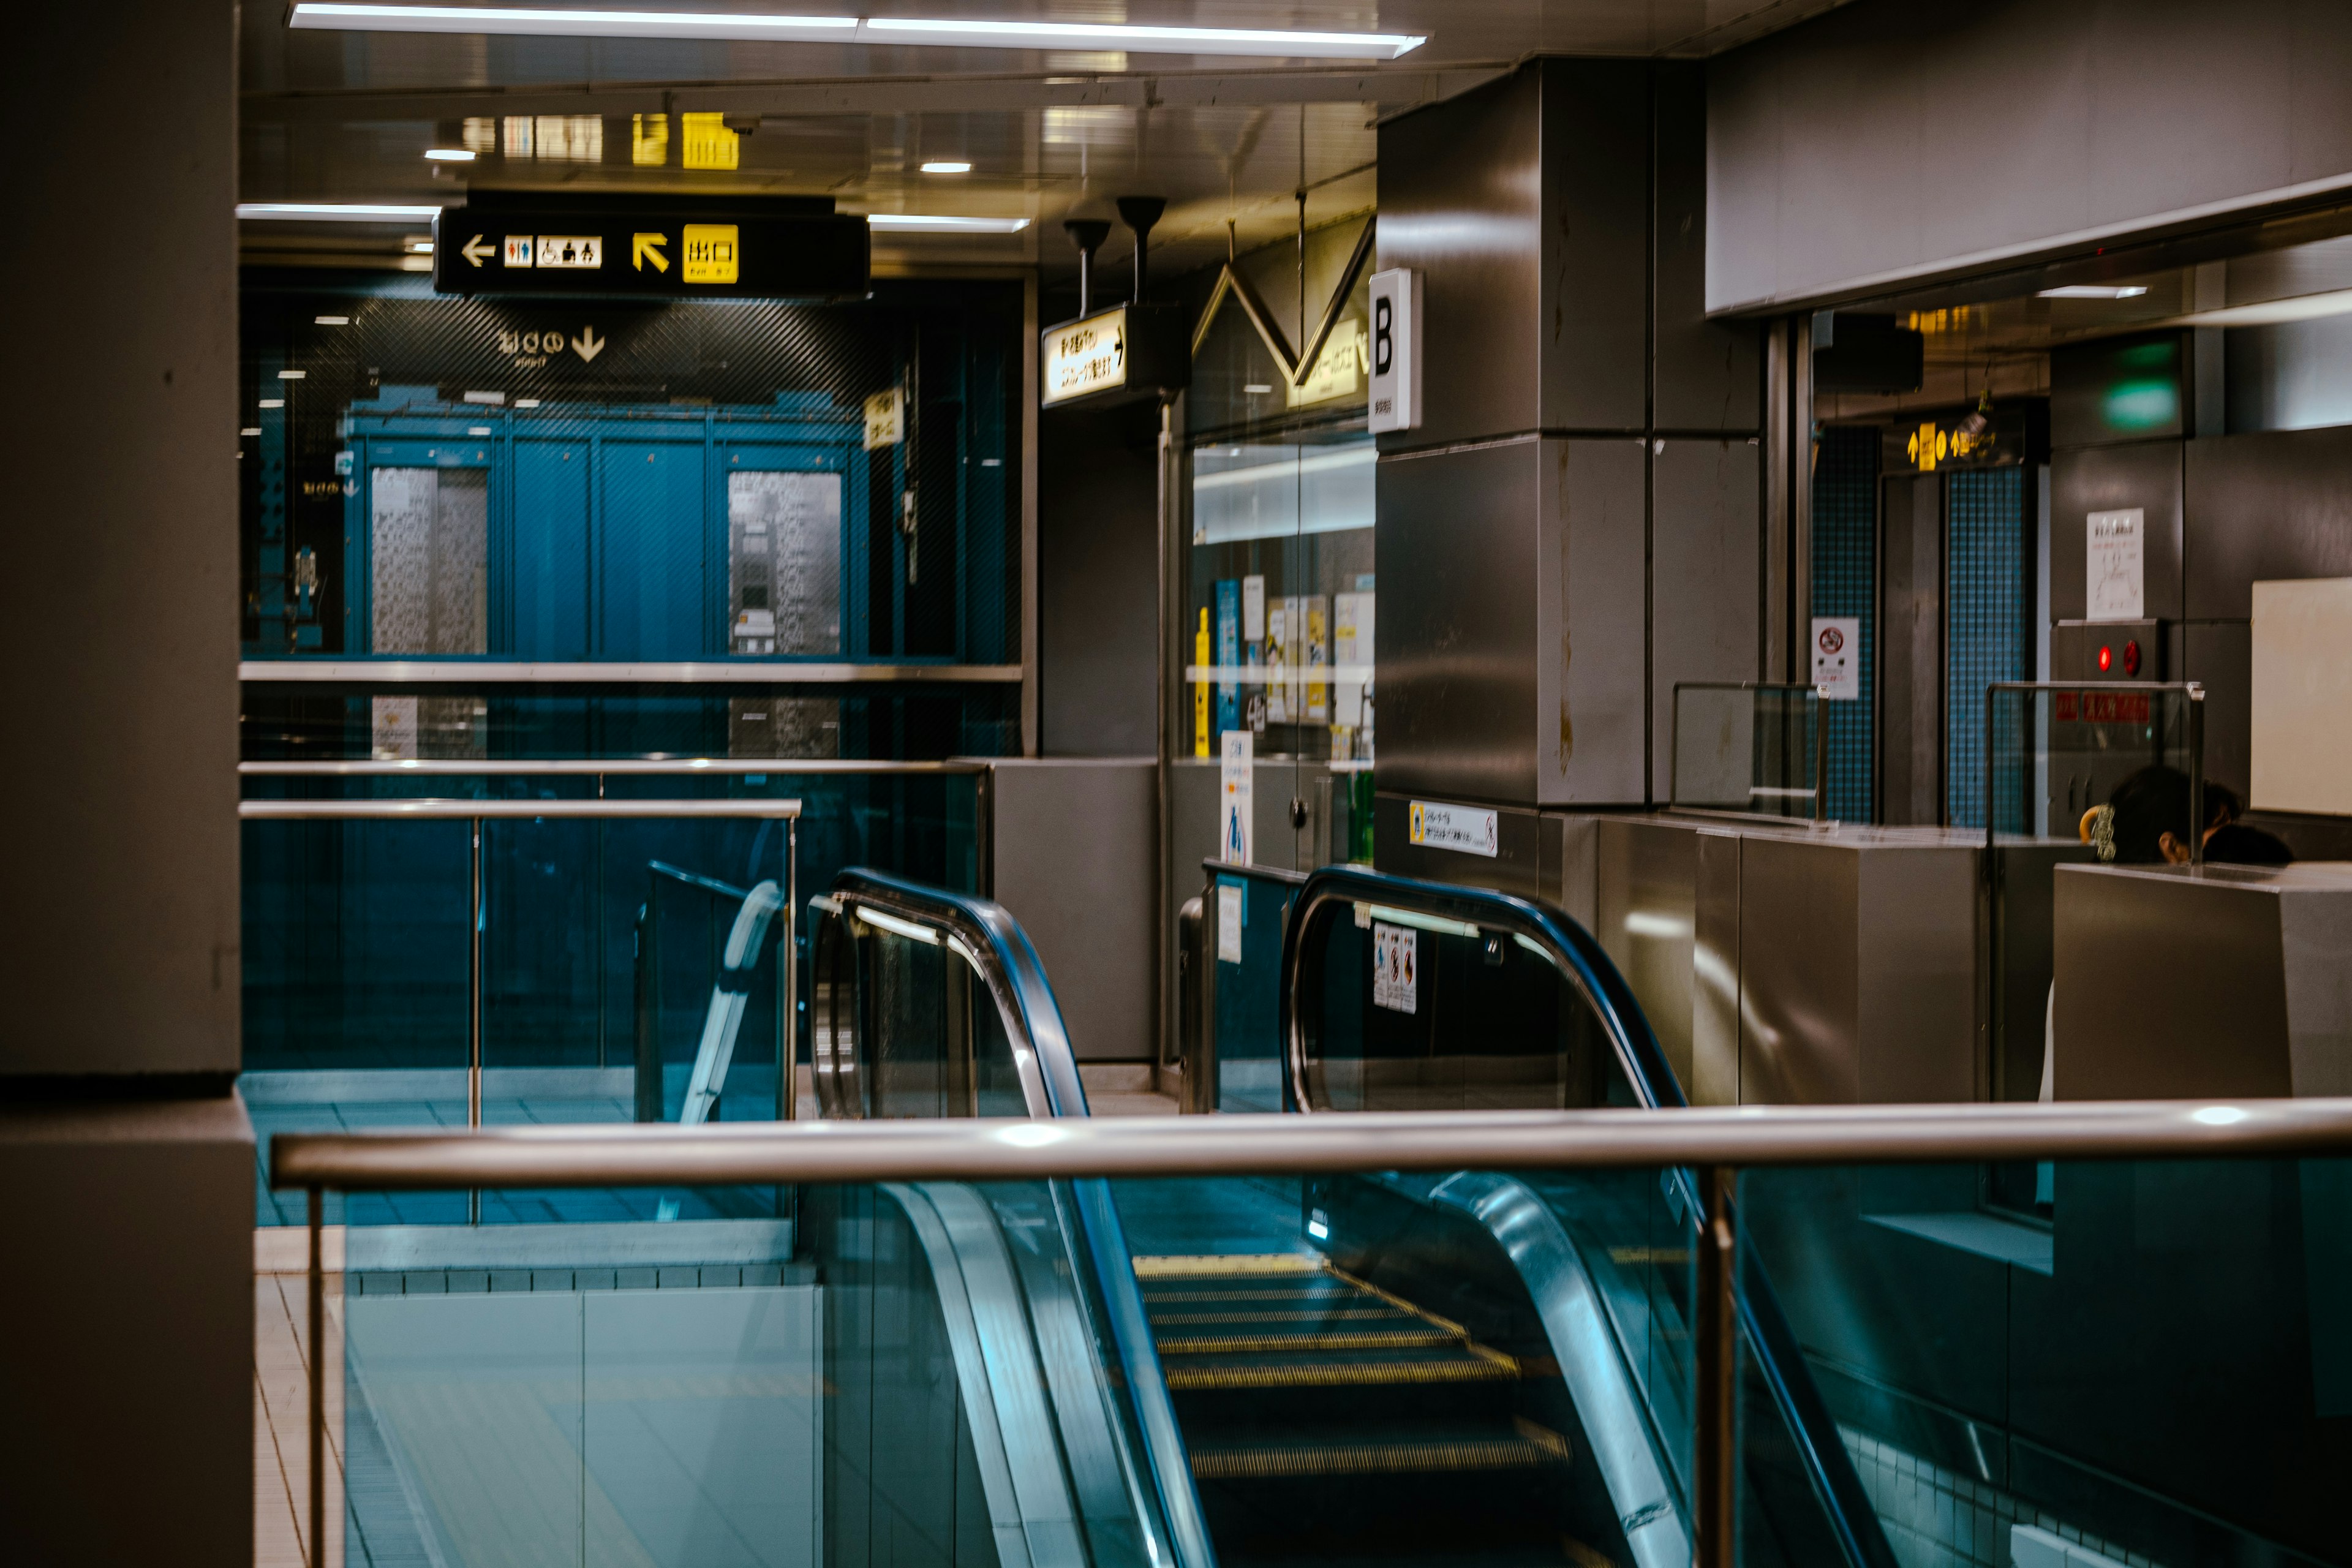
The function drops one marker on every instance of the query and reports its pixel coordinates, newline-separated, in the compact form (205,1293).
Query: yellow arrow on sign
(649,248)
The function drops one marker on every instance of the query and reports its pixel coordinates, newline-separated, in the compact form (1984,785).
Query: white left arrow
(477,252)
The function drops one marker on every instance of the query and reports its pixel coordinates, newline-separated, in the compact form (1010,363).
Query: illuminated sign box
(775,248)
(1112,356)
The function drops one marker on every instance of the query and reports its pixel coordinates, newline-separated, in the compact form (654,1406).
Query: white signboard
(1837,658)
(1458,828)
(1395,350)
(1395,964)
(1237,763)
(1253,609)
(2116,569)
(1086,356)
(1229,924)
(2302,721)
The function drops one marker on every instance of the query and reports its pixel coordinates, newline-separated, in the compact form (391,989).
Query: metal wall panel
(1798,1030)
(1591,624)
(1706,375)
(1645,909)
(548,585)
(1704,556)
(1717,983)
(2085,480)
(1461,202)
(2219,655)
(1911,652)
(2264,508)
(1074,846)
(1592,313)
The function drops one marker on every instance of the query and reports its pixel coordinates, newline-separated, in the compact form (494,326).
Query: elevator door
(1911,652)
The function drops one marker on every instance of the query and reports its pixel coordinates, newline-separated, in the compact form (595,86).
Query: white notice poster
(1837,663)
(1233,797)
(1253,609)
(1395,959)
(1229,923)
(2116,569)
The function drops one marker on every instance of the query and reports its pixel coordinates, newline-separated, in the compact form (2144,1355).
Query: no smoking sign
(1837,663)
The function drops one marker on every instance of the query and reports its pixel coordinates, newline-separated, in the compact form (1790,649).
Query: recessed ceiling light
(952,32)
(418,246)
(2095,291)
(332,320)
(947,166)
(250,430)
(335,212)
(918,222)
(450,154)
(292,374)
(273,402)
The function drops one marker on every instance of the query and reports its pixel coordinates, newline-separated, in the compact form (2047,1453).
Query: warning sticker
(1459,828)
(1396,963)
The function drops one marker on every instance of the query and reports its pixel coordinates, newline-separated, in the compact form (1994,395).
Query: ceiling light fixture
(920,223)
(952,32)
(2095,291)
(947,166)
(451,154)
(335,212)
(332,320)
(418,246)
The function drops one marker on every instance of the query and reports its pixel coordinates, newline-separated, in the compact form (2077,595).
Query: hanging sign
(1111,357)
(1837,662)
(773,249)
(1086,357)
(2116,565)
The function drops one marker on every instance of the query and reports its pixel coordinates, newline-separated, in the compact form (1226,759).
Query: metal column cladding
(1551,548)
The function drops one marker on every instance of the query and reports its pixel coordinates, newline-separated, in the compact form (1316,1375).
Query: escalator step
(1286,1312)
(1339,1374)
(1237,1264)
(1532,1447)
(1257,1344)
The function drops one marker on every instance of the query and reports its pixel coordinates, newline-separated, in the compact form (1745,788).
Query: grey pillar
(126,1160)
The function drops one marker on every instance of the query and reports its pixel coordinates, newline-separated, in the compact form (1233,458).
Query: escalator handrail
(1006,960)
(1015,977)
(1579,955)
(1567,943)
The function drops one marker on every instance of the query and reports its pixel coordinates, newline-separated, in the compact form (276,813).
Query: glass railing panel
(2060,751)
(1754,750)
(1245,911)
(908,1024)
(2156,1373)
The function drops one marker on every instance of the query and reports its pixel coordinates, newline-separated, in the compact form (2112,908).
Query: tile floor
(281,1410)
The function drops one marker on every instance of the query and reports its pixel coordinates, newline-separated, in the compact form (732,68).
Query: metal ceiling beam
(873,95)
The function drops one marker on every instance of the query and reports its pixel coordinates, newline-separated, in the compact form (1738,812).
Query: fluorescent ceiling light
(335,212)
(292,374)
(419,247)
(986,35)
(947,166)
(952,32)
(332,320)
(250,430)
(450,154)
(273,402)
(2096,291)
(2275,313)
(918,222)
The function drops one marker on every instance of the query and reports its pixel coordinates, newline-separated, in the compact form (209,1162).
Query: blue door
(547,586)
(653,589)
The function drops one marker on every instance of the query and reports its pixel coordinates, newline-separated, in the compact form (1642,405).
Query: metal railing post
(1820,758)
(788,981)
(1715,1320)
(473,1009)
(318,1289)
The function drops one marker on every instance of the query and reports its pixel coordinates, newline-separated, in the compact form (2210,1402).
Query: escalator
(1469,1370)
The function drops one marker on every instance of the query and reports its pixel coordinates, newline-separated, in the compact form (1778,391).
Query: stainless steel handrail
(446,810)
(465,672)
(666,767)
(989,1150)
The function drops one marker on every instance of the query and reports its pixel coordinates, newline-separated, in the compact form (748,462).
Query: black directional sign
(735,250)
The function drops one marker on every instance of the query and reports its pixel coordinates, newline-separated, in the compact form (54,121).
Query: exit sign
(784,249)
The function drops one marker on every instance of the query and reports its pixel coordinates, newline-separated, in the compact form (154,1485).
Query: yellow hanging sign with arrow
(649,248)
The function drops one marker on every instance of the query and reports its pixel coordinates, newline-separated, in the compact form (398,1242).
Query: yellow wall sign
(708,143)
(712,254)
(885,419)
(1086,357)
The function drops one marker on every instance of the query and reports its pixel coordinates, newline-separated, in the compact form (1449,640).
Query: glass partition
(1753,750)
(2057,751)
(1245,908)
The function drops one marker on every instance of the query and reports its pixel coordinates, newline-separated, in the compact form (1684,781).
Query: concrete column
(126,1160)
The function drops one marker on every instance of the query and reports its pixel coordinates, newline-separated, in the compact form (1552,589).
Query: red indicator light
(2106,658)
(2131,658)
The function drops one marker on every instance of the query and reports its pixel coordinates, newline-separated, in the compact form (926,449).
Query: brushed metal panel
(1717,983)
(2168,986)
(1590,598)
(1456,534)
(1705,554)
(1706,375)
(2021,962)
(1591,317)
(1644,902)
(1916,1036)
(2085,480)
(1572,868)
(2219,655)
(2266,508)
(2315,934)
(1516,869)
(1461,202)
(1911,652)
(1799,980)
(1093,932)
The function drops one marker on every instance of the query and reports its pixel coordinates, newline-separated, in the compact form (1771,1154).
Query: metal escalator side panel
(1625,1442)
(1032,1514)
(1147,1381)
